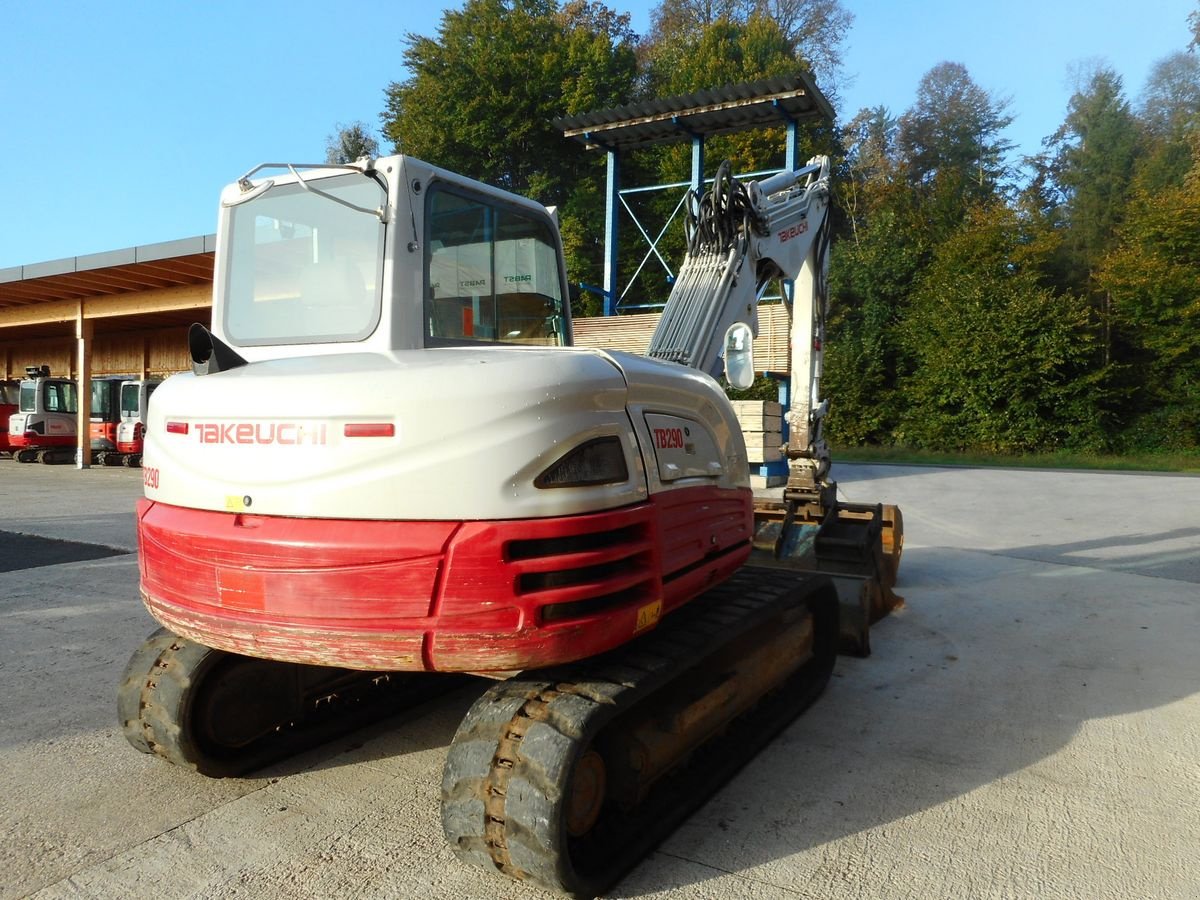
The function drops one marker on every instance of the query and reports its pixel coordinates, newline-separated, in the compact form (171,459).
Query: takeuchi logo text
(286,433)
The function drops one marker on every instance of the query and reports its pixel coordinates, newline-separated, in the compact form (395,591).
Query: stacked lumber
(632,333)
(762,428)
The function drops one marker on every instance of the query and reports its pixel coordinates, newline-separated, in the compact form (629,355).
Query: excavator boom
(741,238)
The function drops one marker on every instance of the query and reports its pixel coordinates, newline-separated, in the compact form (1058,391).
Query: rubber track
(166,674)
(507,775)
(130,695)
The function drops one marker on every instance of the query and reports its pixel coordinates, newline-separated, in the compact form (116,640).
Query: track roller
(568,777)
(224,715)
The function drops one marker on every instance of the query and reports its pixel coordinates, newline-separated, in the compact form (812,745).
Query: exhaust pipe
(209,353)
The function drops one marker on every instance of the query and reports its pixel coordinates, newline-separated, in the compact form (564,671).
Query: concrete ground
(1026,727)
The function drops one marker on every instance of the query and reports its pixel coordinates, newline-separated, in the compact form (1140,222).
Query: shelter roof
(166,264)
(735,107)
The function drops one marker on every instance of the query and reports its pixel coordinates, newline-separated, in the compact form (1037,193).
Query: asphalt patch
(28,551)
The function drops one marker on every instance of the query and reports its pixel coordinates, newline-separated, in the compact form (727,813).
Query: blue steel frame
(614,199)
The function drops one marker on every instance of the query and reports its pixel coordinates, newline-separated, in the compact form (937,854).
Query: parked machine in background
(10,392)
(388,462)
(118,419)
(131,429)
(105,415)
(43,428)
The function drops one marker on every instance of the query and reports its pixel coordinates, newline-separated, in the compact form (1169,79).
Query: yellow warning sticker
(648,616)
(235,503)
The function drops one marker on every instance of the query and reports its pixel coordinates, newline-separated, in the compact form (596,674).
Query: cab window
(60,396)
(491,273)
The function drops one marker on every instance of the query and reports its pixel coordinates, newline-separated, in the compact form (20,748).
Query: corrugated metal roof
(735,107)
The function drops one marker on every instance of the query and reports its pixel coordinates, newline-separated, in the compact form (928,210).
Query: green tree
(1093,155)
(952,133)
(1002,364)
(671,18)
(1170,102)
(908,185)
(1169,112)
(1153,278)
(702,44)
(1092,158)
(871,279)
(870,162)
(350,142)
(698,52)
(483,95)
(719,53)
(872,271)
(817,29)
(698,45)
(812,29)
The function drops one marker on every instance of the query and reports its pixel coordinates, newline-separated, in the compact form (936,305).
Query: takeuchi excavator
(43,427)
(389,464)
(118,419)
(131,429)
(105,416)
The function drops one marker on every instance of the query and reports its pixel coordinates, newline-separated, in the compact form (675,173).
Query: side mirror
(739,355)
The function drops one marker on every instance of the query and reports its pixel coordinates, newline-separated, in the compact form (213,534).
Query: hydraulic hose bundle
(716,221)
(708,296)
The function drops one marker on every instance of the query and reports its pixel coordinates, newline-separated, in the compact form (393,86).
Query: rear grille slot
(578,609)
(537,548)
(578,575)
(542,581)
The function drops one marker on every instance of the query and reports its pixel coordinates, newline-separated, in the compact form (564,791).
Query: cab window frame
(545,234)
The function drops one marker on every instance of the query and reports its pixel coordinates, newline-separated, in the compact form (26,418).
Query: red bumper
(445,596)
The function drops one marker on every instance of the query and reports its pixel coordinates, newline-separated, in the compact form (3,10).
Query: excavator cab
(105,414)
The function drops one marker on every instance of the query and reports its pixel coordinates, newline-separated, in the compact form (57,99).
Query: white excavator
(388,464)
(43,427)
(131,429)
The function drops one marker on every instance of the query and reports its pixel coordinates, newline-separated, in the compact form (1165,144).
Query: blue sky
(120,122)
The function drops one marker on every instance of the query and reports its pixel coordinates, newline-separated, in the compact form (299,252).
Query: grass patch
(1138,462)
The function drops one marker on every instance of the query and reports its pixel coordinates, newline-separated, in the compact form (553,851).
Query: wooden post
(83,379)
